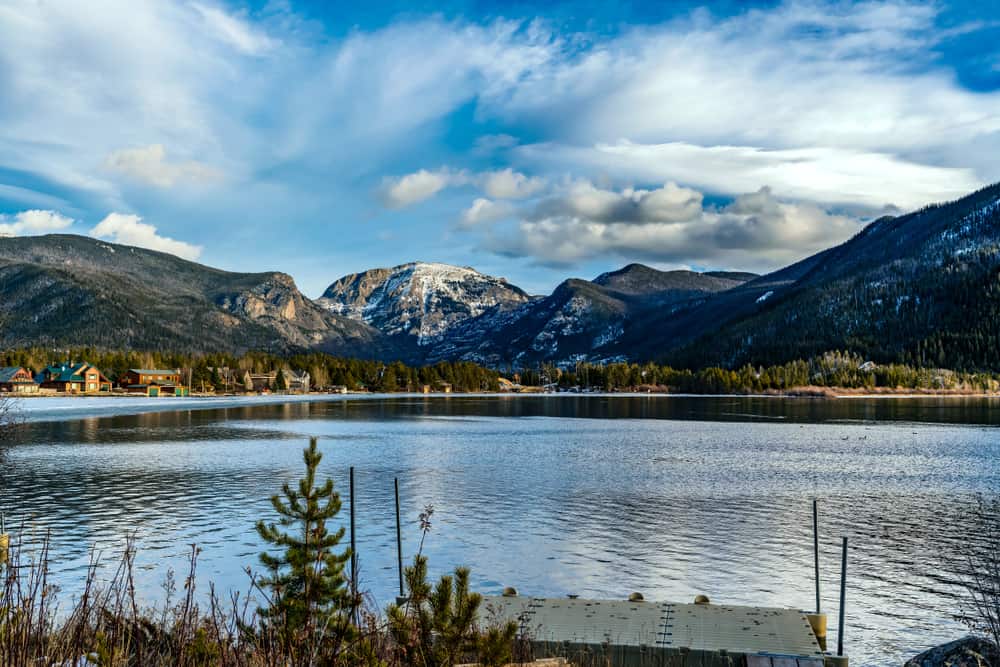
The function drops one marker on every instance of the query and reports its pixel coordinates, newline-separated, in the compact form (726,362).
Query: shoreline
(795,392)
(46,408)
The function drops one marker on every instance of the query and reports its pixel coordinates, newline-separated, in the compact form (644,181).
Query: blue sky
(530,140)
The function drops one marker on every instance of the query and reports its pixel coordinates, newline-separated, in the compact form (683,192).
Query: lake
(563,494)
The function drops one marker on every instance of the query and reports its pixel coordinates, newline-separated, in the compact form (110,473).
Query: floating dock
(661,634)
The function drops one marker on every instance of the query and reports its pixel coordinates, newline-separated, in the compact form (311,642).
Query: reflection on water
(671,497)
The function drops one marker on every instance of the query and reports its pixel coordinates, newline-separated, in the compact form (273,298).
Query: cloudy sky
(528,140)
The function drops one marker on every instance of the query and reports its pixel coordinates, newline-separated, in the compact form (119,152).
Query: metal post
(354,556)
(843,600)
(399,541)
(816,548)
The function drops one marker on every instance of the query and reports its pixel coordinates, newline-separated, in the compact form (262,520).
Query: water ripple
(671,497)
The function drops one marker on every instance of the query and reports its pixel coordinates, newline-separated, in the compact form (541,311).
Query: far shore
(810,392)
(59,408)
(794,392)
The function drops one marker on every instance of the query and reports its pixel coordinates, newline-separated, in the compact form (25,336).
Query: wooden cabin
(17,380)
(150,376)
(153,382)
(295,382)
(73,378)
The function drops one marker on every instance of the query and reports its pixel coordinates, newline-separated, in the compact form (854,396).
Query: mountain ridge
(65,289)
(921,288)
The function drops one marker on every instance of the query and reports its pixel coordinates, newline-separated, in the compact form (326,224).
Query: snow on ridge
(765,296)
(425,298)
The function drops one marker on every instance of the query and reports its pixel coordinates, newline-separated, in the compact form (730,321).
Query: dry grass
(106,625)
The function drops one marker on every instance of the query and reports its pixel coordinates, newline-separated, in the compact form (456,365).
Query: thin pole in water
(354,556)
(816,548)
(399,541)
(843,599)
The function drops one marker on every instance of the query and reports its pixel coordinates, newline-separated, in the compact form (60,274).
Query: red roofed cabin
(153,382)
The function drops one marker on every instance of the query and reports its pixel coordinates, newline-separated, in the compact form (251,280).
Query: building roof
(7,373)
(148,371)
(63,372)
(66,372)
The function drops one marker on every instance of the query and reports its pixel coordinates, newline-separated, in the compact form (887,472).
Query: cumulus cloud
(413,188)
(484,211)
(418,186)
(129,229)
(27,223)
(818,174)
(149,164)
(509,184)
(669,224)
(583,199)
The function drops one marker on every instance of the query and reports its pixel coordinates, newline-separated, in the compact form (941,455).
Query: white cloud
(149,164)
(484,211)
(509,184)
(234,31)
(27,223)
(858,76)
(492,143)
(756,231)
(818,174)
(827,102)
(421,185)
(583,199)
(418,186)
(810,92)
(129,229)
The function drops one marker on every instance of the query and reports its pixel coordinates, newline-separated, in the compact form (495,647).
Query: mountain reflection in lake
(590,495)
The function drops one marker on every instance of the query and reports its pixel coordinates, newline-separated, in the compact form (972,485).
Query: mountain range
(921,288)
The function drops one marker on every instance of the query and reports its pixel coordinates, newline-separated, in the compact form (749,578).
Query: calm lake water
(589,495)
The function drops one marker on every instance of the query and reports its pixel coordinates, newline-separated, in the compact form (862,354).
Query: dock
(623,633)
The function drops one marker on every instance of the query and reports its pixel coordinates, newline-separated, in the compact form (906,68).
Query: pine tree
(307,585)
(436,626)
(280,383)
(216,379)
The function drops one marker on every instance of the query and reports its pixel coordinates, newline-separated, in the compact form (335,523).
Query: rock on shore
(966,652)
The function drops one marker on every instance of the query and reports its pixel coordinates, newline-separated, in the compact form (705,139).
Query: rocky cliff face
(72,290)
(580,320)
(419,300)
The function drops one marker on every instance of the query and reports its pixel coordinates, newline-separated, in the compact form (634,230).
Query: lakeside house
(444,387)
(17,380)
(153,382)
(231,379)
(295,382)
(73,378)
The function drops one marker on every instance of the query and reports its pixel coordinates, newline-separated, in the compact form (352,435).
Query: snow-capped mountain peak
(420,299)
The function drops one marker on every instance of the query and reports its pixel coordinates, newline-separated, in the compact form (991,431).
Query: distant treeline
(207,370)
(832,369)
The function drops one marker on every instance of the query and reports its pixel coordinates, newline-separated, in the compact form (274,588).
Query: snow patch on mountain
(419,299)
